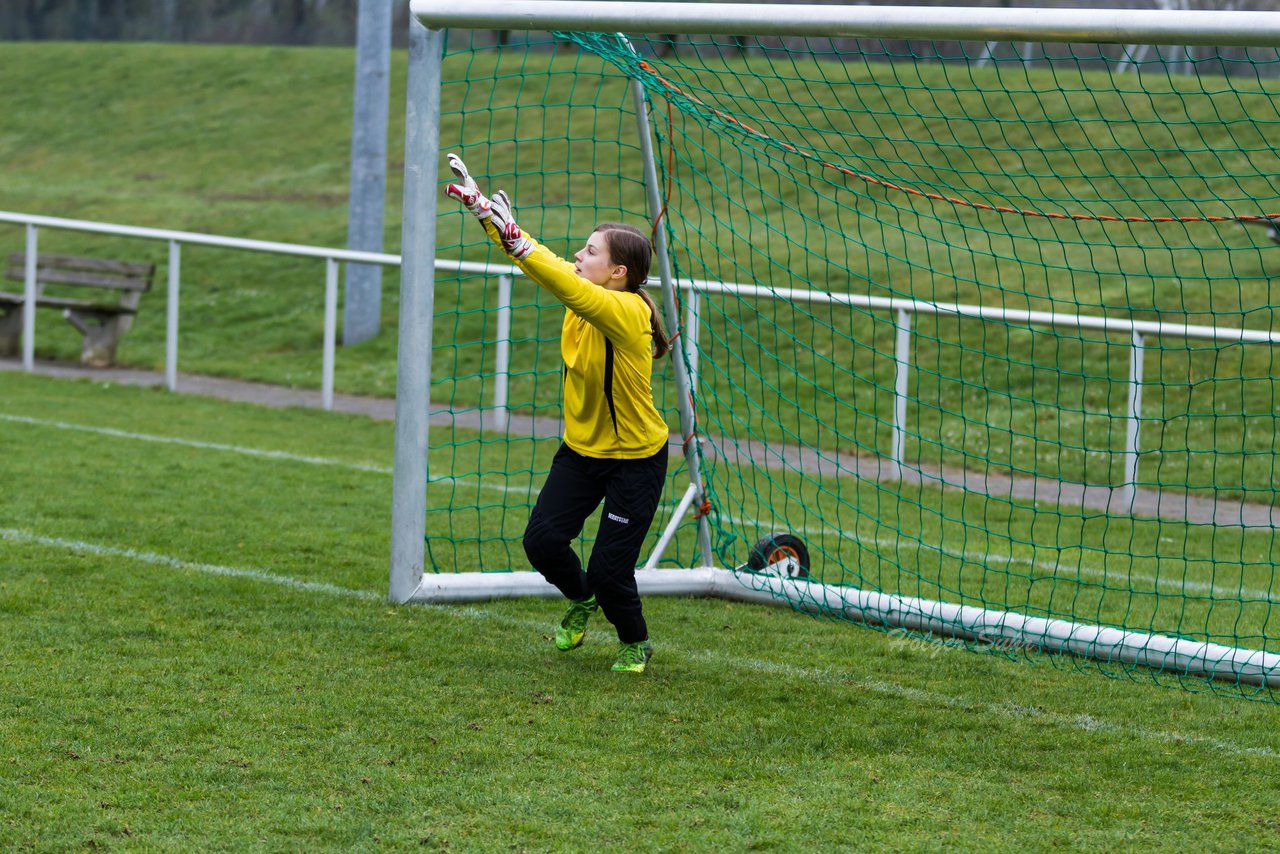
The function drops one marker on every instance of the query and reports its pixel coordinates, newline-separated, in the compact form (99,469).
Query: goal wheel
(780,554)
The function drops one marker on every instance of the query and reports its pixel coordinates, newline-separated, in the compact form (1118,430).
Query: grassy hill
(249,142)
(255,142)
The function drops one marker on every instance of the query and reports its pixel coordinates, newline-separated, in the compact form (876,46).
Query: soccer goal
(977,313)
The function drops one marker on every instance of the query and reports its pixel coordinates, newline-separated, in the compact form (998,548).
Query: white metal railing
(176,239)
(901,308)
(1138,330)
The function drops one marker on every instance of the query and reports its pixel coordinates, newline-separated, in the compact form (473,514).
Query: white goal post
(428,20)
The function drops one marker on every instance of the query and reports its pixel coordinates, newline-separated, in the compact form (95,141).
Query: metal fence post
(171,319)
(502,357)
(1128,492)
(330,331)
(29,303)
(902,369)
(691,332)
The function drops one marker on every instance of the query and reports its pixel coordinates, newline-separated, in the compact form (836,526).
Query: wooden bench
(102,321)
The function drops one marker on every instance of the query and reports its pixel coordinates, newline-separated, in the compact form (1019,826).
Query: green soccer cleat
(573,627)
(632,657)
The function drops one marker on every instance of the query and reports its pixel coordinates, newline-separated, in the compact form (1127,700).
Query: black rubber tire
(777,547)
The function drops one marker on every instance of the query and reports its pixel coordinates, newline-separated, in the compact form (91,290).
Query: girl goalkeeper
(615,442)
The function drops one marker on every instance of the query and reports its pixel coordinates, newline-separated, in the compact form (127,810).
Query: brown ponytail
(661,344)
(630,247)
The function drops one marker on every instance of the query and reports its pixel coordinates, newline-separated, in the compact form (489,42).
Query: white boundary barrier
(176,240)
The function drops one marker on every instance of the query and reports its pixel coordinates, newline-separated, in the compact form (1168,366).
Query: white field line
(19,536)
(826,676)
(985,558)
(245,451)
(193,443)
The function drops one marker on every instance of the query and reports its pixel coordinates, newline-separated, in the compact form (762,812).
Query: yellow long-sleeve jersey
(607,345)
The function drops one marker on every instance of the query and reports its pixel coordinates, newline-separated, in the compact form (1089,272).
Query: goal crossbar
(1112,26)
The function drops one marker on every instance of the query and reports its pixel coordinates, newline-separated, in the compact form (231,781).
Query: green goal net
(986,325)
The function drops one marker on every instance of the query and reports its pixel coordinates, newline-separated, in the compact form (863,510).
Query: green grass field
(198,655)
(197,650)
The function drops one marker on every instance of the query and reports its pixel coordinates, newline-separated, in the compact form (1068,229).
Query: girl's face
(595,265)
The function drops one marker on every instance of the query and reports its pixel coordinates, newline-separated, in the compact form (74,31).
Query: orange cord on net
(938,197)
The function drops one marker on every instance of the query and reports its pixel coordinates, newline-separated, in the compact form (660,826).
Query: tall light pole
(363,301)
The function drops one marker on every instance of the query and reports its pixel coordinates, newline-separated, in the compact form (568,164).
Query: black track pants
(574,488)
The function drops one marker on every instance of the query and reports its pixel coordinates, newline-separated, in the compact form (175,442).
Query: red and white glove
(466,190)
(517,244)
(515,241)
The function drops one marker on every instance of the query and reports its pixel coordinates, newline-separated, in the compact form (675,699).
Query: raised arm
(495,211)
(615,313)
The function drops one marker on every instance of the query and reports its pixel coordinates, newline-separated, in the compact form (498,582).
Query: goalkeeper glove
(466,190)
(515,241)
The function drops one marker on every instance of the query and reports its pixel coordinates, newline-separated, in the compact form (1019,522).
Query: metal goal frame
(428,20)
